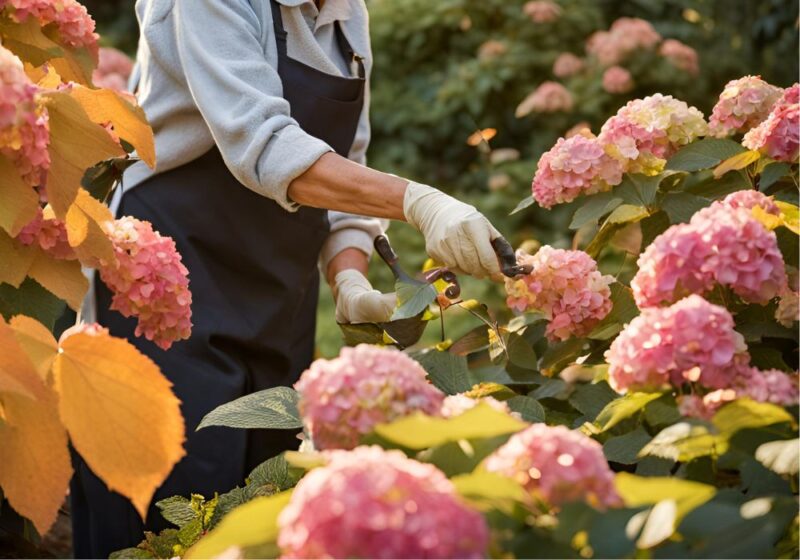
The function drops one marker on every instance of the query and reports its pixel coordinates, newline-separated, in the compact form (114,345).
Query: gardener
(260,113)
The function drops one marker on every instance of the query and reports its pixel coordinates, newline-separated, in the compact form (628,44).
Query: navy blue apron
(254,280)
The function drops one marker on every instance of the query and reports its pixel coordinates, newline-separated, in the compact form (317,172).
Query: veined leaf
(624,407)
(681,206)
(704,154)
(413,299)
(18,374)
(20,201)
(16,260)
(274,408)
(594,207)
(84,223)
(37,342)
(110,397)
(447,371)
(739,161)
(62,278)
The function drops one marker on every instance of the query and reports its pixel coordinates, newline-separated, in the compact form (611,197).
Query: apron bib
(254,280)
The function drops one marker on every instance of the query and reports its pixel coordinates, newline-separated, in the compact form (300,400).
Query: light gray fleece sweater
(207,74)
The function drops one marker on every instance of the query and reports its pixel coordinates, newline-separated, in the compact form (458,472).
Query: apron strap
(344,45)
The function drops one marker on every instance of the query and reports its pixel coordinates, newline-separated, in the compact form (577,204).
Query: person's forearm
(348,258)
(336,183)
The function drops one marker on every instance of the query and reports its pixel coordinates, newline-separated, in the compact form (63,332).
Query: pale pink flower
(779,135)
(566,65)
(645,132)
(566,287)
(113,70)
(749,199)
(148,281)
(344,398)
(50,234)
(549,97)
(625,36)
(573,167)
(692,340)
(75,25)
(617,80)
(24,127)
(542,11)
(372,503)
(772,386)
(456,405)
(743,104)
(681,56)
(557,466)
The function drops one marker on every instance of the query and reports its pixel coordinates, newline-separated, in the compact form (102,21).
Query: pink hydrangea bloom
(625,36)
(574,166)
(695,406)
(92,329)
(371,503)
(50,234)
(566,65)
(149,281)
(692,340)
(779,135)
(617,80)
(680,55)
(344,398)
(566,287)
(749,199)
(456,405)
(74,24)
(645,132)
(743,104)
(113,70)
(24,128)
(772,386)
(549,97)
(557,465)
(542,11)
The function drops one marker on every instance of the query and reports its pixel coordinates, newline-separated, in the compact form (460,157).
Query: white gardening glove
(456,234)
(358,302)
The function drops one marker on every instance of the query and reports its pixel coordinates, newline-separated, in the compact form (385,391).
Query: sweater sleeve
(240,96)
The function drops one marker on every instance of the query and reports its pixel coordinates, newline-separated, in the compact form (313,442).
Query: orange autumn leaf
(130,123)
(18,374)
(62,278)
(20,201)
(35,458)
(84,224)
(120,412)
(76,144)
(37,342)
(15,260)
(480,136)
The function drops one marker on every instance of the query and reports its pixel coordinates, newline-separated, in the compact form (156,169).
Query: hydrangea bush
(641,403)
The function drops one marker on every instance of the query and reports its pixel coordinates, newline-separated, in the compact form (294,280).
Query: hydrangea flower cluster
(24,127)
(743,104)
(625,36)
(50,234)
(371,503)
(749,199)
(549,97)
(75,25)
(344,398)
(566,287)
(645,132)
(113,70)
(692,340)
(779,135)
(617,80)
(557,465)
(149,281)
(456,405)
(574,166)
(566,65)
(542,11)
(681,56)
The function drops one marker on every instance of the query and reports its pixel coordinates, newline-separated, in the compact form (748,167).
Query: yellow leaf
(35,458)
(120,412)
(17,374)
(76,144)
(480,136)
(37,342)
(60,277)
(790,214)
(45,76)
(769,221)
(28,42)
(637,491)
(84,223)
(19,202)
(739,161)
(251,524)
(76,65)
(15,260)
(130,122)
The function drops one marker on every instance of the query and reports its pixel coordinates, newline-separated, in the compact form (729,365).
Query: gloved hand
(358,302)
(456,234)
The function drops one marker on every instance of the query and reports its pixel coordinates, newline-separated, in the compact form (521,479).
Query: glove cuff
(415,212)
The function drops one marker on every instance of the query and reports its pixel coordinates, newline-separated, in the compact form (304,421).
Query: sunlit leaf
(790,215)
(624,407)
(85,233)
(110,398)
(16,260)
(485,490)
(63,278)
(739,161)
(37,342)
(638,491)
(20,201)
(413,298)
(18,373)
(745,413)
(782,456)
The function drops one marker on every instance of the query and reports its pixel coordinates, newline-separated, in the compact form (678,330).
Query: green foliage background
(432,90)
